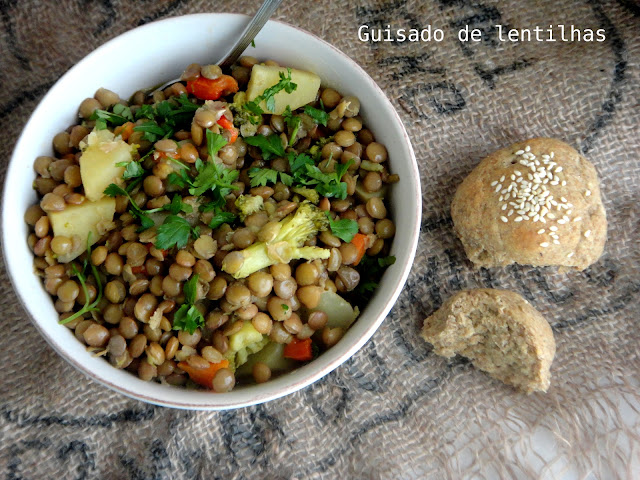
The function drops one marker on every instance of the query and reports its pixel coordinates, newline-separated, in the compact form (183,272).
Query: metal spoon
(248,34)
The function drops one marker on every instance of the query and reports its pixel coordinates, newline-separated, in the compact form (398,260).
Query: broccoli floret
(243,343)
(309,193)
(248,204)
(286,244)
(241,117)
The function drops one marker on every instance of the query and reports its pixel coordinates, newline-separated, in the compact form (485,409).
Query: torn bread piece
(500,332)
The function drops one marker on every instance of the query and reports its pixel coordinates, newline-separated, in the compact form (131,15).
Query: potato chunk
(98,162)
(263,77)
(340,313)
(77,221)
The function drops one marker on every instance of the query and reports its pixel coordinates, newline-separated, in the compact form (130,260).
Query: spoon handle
(250,31)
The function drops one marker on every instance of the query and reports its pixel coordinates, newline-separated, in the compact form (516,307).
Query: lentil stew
(225,231)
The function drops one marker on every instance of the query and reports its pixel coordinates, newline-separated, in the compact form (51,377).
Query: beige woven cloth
(394,411)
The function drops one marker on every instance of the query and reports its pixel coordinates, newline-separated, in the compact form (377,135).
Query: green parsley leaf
(188,318)
(253,107)
(177,205)
(221,217)
(215,142)
(190,289)
(215,178)
(123,110)
(285,307)
(306,173)
(293,122)
(174,231)
(299,162)
(267,96)
(166,117)
(118,117)
(253,43)
(386,261)
(286,179)
(82,278)
(335,190)
(317,174)
(180,179)
(152,131)
(341,169)
(345,229)
(271,104)
(211,206)
(132,169)
(145,221)
(262,176)
(270,146)
(132,185)
(319,116)
(212,176)
(114,190)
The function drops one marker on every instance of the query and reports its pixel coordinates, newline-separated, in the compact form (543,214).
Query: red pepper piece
(225,123)
(299,350)
(212,89)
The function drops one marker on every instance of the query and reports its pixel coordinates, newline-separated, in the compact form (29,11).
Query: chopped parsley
(160,120)
(174,231)
(177,206)
(304,171)
(345,229)
(118,116)
(319,116)
(221,217)
(293,122)
(270,146)
(82,278)
(262,176)
(212,179)
(215,142)
(211,176)
(268,95)
(132,169)
(188,317)
(142,216)
(163,119)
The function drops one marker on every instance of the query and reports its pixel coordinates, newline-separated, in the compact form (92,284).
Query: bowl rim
(277,390)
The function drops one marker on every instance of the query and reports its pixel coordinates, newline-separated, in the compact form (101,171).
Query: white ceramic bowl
(167,47)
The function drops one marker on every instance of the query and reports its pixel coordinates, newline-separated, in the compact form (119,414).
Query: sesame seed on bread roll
(536,202)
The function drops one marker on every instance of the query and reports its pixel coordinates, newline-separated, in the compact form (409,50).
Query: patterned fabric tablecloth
(395,410)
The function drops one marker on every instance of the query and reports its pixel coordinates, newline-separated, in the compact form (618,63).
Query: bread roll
(536,202)
(500,332)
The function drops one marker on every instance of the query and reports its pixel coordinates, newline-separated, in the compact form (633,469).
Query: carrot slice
(125,130)
(212,89)
(203,376)
(225,123)
(298,350)
(360,241)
